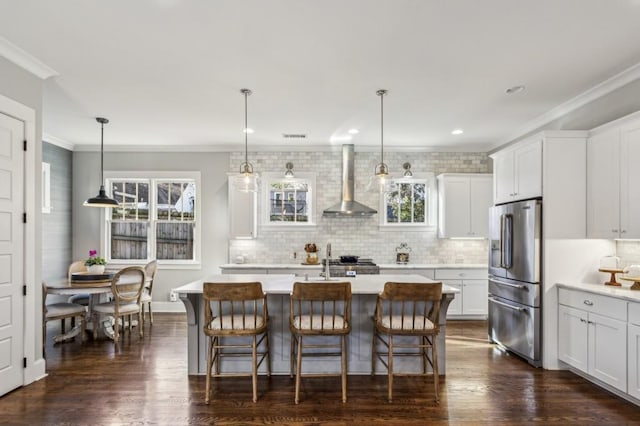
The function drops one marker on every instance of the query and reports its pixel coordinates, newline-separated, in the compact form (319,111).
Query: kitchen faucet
(327,273)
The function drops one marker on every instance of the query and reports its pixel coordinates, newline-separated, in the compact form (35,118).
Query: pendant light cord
(246,131)
(382,92)
(102,154)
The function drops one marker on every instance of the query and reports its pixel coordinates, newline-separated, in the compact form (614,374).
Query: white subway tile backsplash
(359,236)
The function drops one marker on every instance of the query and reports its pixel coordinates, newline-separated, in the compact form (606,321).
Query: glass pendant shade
(382,170)
(247,180)
(101,200)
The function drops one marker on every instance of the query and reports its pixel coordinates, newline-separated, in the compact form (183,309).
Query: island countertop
(408,266)
(283,283)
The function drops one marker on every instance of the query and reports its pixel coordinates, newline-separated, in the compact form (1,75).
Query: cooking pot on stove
(349,259)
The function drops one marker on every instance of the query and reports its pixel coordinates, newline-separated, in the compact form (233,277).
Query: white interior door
(11,252)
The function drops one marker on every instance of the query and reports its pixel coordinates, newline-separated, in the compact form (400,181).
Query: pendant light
(101,200)
(247,180)
(382,171)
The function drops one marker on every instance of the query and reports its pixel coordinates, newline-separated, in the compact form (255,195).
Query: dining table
(98,287)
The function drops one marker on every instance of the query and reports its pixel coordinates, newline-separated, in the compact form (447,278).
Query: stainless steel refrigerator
(515,253)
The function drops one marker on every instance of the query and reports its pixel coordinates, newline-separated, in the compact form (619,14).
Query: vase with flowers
(95,264)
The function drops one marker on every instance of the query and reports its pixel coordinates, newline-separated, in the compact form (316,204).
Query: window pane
(176,201)
(405,203)
(392,206)
(419,201)
(174,240)
(289,202)
(129,240)
(133,198)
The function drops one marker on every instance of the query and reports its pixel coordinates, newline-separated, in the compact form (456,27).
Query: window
(409,202)
(289,201)
(157,218)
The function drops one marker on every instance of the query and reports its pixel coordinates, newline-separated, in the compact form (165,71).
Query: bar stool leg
(390,364)
(254,369)
(344,368)
(436,374)
(298,369)
(207,387)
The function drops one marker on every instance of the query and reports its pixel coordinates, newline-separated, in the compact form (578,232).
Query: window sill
(165,265)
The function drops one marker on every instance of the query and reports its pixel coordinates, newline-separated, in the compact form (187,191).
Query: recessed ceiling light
(353,131)
(248,130)
(514,89)
(457,132)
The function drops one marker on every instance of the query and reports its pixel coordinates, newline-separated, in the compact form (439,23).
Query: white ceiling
(169,72)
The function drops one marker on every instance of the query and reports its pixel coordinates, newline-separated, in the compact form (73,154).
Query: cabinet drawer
(634,313)
(461,274)
(602,305)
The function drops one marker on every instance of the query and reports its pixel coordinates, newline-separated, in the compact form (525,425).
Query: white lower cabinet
(592,335)
(472,301)
(633,351)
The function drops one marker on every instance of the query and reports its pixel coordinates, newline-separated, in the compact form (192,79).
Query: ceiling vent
(294,136)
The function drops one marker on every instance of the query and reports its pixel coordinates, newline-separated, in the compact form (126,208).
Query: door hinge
(24,145)
(24,290)
(24,362)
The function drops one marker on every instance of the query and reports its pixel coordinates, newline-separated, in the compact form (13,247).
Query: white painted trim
(169,307)
(25,60)
(32,274)
(229,148)
(62,143)
(617,81)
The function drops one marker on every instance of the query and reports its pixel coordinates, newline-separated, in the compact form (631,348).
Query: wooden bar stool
(407,309)
(235,310)
(319,310)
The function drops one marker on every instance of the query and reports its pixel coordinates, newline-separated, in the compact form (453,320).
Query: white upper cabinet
(242,213)
(613,201)
(464,201)
(518,172)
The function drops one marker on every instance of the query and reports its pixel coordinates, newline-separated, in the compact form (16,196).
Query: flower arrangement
(94,259)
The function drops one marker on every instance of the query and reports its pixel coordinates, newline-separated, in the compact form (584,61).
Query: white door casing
(12,134)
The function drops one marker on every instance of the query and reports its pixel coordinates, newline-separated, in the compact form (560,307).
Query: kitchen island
(364,289)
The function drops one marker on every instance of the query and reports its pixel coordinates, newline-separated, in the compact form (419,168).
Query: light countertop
(283,283)
(382,266)
(606,290)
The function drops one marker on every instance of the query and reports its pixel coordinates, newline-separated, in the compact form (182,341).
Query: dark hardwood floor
(146,383)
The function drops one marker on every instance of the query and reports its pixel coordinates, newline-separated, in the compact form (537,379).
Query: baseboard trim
(169,307)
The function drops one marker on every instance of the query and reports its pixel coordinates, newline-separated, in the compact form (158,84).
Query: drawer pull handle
(588,302)
(583,320)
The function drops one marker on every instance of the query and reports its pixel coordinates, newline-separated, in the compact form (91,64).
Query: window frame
(431,207)
(269,178)
(153,178)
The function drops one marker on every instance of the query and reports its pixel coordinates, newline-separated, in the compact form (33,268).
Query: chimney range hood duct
(348,206)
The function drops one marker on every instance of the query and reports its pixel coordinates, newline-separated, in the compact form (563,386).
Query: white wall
(213,199)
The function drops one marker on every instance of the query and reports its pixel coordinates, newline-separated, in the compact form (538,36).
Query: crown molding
(604,88)
(25,60)
(62,143)
(270,148)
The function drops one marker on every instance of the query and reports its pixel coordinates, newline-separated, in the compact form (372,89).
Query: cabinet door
(481,201)
(603,183)
(528,171)
(572,337)
(503,177)
(475,297)
(633,360)
(242,214)
(455,207)
(455,307)
(607,357)
(629,181)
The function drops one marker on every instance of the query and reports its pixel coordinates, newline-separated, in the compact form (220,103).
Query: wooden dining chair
(126,287)
(60,311)
(319,312)
(80,298)
(407,309)
(235,310)
(150,270)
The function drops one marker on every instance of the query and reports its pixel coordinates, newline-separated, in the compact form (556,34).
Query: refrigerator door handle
(508,241)
(502,236)
(506,305)
(518,286)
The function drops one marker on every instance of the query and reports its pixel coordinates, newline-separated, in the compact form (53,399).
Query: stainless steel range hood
(348,206)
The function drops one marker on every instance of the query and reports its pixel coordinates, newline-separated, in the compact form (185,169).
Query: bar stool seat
(235,310)
(407,309)
(319,310)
